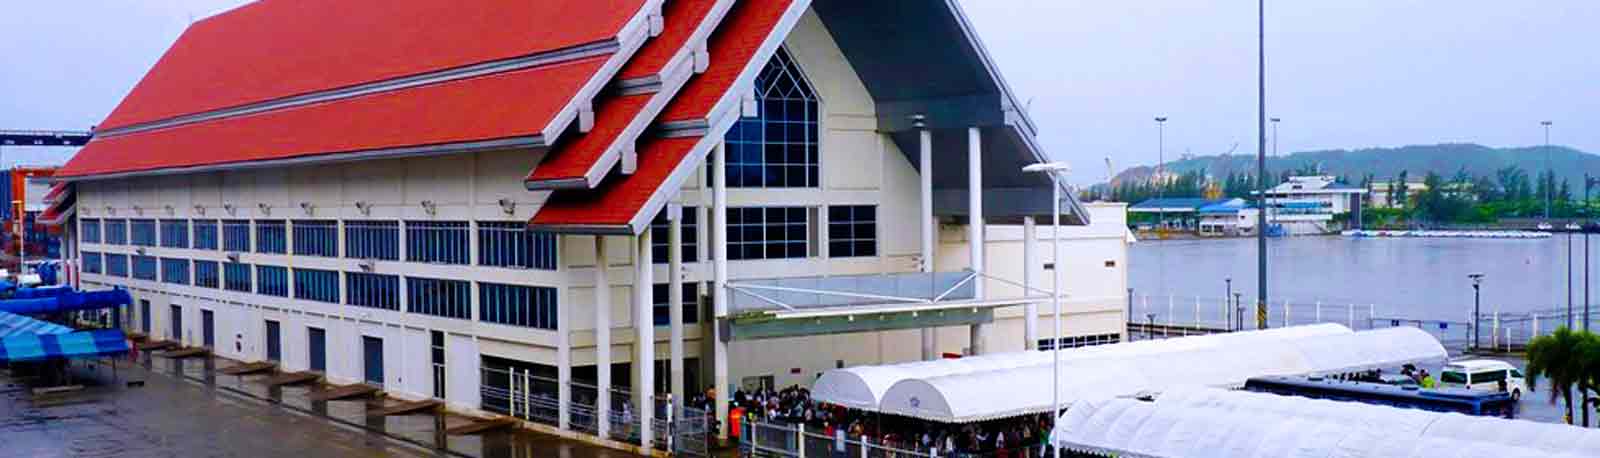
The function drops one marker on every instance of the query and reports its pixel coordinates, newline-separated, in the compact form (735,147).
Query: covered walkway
(863,387)
(1201,422)
(996,394)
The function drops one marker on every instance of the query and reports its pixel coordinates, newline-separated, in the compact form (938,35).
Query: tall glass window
(660,228)
(443,242)
(92,263)
(175,271)
(372,290)
(852,231)
(271,237)
(116,265)
(145,268)
(142,232)
(691,303)
(768,233)
(316,285)
(511,244)
(205,234)
(236,235)
(778,147)
(206,274)
(316,238)
(236,277)
(175,233)
(90,229)
(515,305)
(446,298)
(116,232)
(372,240)
(273,280)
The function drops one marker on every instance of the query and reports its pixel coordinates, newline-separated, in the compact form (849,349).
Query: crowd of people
(1017,437)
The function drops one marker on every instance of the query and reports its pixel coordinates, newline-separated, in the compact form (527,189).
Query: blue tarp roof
(68,301)
(12,324)
(1173,202)
(81,344)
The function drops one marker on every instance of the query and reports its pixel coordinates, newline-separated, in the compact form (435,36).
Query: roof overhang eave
(534,141)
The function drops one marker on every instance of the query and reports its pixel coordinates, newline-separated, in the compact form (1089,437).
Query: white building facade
(1313,205)
(444,267)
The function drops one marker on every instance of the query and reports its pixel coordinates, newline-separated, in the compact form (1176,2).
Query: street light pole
(1056,170)
(1229,294)
(1261,162)
(1548,168)
(1161,166)
(1477,280)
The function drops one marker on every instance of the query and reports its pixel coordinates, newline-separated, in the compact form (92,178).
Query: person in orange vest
(735,418)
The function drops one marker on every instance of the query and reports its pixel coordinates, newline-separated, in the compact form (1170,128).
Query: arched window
(778,147)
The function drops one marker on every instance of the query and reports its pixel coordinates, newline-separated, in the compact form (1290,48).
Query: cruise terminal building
(488,201)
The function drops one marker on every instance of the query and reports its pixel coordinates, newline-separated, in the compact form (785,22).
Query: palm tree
(1587,368)
(1555,357)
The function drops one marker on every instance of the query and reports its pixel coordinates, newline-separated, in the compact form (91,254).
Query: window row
(500,243)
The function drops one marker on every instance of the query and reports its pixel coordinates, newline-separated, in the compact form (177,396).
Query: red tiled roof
(619,198)
(732,47)
(502,105)
(682,18)
(574,159)
(277,48)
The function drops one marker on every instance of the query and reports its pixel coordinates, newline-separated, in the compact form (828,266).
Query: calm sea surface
(1409,278)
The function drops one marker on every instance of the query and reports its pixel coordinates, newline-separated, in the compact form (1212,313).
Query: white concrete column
(719,289)
(975,225)
(644,342)
(675,303)
(1030,262)
(602,338)
(930,336)
(563,359)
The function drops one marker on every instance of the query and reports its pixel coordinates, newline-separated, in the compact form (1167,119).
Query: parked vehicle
(1485,375)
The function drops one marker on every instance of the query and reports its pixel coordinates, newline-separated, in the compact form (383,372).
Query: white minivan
(1484,375)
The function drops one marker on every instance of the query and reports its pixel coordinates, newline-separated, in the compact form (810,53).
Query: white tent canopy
(982,396)
(863,387)
(1197,422)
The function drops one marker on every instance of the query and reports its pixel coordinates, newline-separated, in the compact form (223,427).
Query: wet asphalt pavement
(185,408)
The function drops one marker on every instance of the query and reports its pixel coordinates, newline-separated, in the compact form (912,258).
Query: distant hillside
(1385,163)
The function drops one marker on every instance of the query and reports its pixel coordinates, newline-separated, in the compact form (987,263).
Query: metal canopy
(791,307)
(920,57)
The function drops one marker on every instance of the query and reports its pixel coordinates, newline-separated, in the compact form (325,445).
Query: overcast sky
(1341,74)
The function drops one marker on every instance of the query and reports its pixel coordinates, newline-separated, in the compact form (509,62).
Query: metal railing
(518,393)
(1511,332)
(1176,314)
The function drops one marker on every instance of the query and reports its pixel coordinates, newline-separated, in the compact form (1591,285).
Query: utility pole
(1261,163)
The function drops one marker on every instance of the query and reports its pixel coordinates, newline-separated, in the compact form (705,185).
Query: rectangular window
(372,240)
(1081,341)
(443,242)
(142,232)
(92,263)
(852,231)
(768,233)
(116,265)
(236,235)
(316,238)
(205,234)
(691,304)
(660,229)
(175,271)
(511,244)
(316,285)
(236,277)
(526,306)
(206,274)
(372,290)
(175,233)
(144,268)
(446,298)
(116,232)
(271,237)
(272,281)
(90,230)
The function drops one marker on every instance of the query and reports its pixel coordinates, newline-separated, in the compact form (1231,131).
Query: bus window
(1453,377)
(1488,377)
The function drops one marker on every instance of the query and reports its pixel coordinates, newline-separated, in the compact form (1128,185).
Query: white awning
(863,387)
(981,396)
(1199,422)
